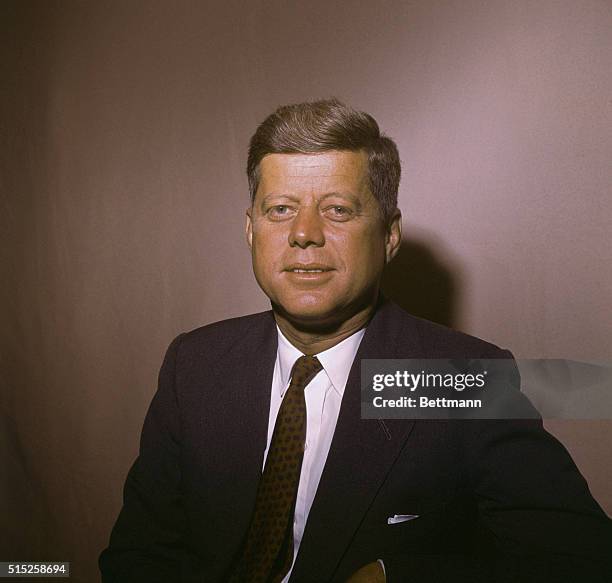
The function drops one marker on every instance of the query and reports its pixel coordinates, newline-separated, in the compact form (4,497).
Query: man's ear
(249,228)
(393,238)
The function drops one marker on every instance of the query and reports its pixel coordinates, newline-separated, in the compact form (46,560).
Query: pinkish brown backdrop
(123,139)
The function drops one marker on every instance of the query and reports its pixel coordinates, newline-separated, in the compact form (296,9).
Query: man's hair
(321,126)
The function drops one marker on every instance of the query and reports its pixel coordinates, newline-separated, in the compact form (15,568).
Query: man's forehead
(329,164)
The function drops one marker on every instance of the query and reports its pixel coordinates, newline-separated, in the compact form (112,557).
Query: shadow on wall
(424,284)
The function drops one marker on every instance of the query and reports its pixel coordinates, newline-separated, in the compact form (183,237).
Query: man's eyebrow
(347,195)
(273,195)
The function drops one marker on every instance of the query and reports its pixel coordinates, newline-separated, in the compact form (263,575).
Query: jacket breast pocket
(415,528)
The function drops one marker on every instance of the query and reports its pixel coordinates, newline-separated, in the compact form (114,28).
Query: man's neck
(312,340)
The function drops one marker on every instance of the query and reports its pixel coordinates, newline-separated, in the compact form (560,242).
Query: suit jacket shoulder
(219,337)
(236,340)
(406,336)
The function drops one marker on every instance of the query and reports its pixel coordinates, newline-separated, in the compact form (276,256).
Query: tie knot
(304,370)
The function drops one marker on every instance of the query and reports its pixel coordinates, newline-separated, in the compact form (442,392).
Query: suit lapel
(241,418)
(361,455)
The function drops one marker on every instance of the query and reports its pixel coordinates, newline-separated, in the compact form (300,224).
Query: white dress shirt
(323,397)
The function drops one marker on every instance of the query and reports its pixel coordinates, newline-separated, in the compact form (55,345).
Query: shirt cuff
(380,562)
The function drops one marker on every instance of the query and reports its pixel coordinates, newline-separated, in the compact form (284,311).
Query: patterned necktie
(268,551)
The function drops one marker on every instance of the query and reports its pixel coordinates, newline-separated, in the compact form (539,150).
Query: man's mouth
(308,268)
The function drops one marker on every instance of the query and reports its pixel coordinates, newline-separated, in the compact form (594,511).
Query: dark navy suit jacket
(496,500)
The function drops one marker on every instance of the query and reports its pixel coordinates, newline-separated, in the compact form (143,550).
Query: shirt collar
(336,361)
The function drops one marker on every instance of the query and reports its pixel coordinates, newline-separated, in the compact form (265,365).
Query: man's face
(316,235)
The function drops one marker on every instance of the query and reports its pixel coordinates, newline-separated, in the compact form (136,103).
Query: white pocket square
(397,518)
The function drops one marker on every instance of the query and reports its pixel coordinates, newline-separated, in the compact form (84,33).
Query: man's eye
(278,211)
(339,213)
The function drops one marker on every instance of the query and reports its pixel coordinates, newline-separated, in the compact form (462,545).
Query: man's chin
(310,317)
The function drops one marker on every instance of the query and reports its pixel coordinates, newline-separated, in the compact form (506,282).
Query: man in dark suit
(255,464)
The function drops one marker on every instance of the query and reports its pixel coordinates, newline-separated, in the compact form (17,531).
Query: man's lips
(308,268)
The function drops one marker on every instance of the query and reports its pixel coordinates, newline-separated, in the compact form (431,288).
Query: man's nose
(307,229)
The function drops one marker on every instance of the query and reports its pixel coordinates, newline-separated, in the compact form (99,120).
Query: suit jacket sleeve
(537,521)
(147,542)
